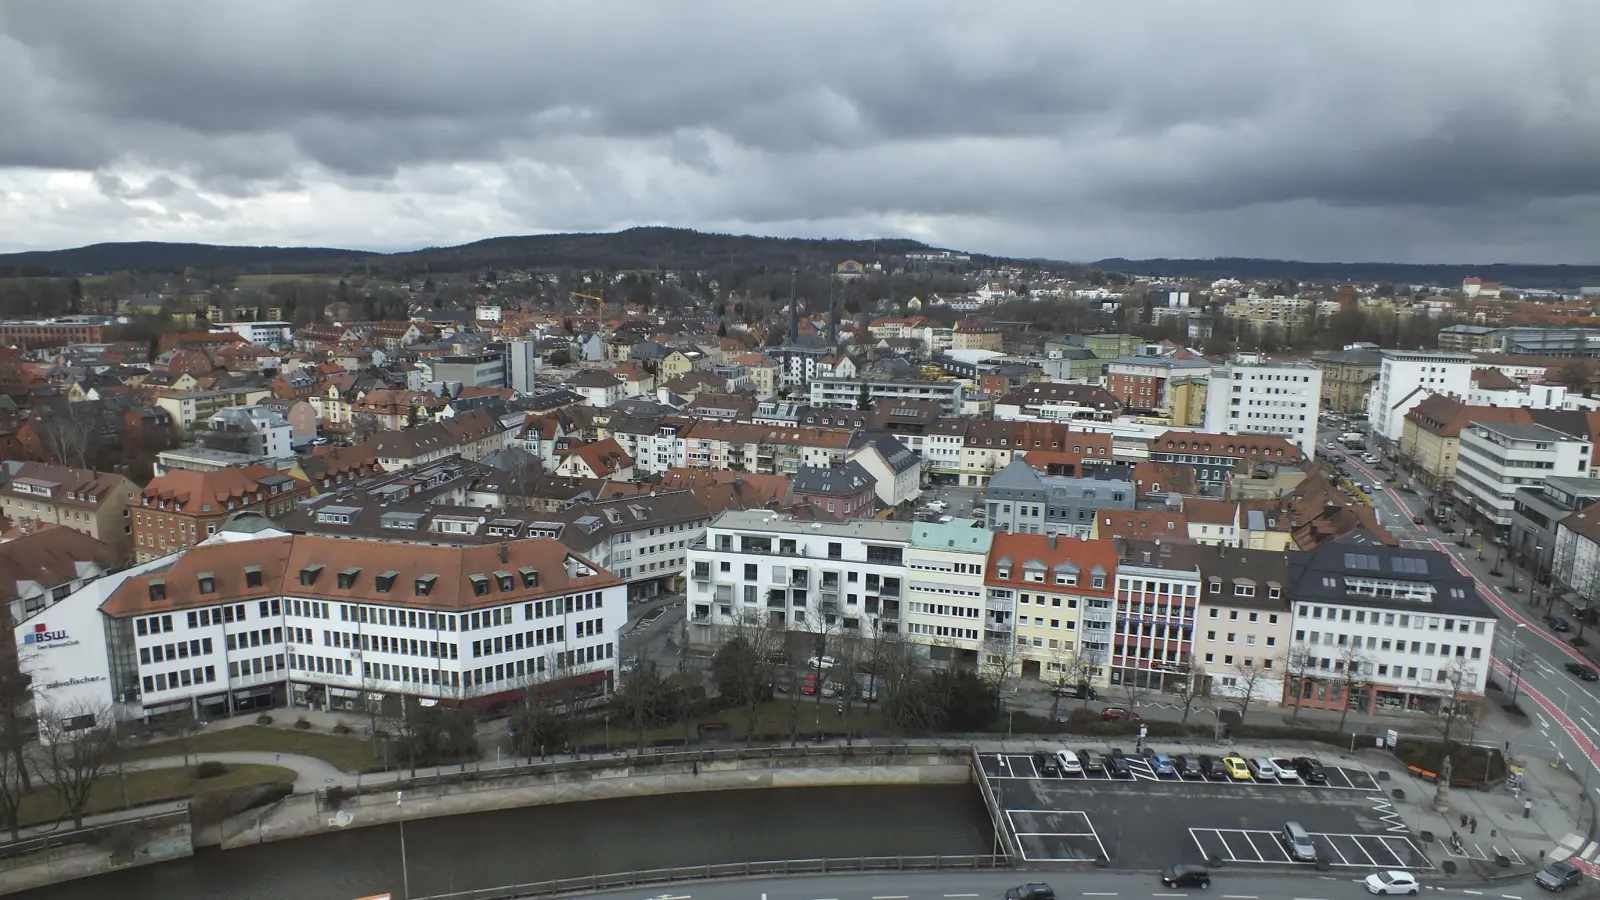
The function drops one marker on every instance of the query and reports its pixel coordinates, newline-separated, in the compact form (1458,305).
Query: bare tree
(13,781)
(77,742)
(1457,684)
(1190,681)
(1249,673)
(185,726)
(1300,663)
(66,436)
(745,665)
(1351,667)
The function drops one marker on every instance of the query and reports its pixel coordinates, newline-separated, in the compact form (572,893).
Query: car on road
(1284,768)
(1214,768)
(1391,883)
(1583,672)
(1068,762)
(1046,764)
(1368,458)
(1188,766)
(782,683)
(1236,768)
(1186,876)
(936,505)
(1113,713)
(1092,760)
(809,685)
(821,662)
(1416,520)
(946,520)
(1310,770)
(1558,876)
(1160,763)
(1557,623)
(1117,765)
(1035,891)
(1262,768)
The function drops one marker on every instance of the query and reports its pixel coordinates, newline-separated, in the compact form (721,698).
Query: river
(544,842)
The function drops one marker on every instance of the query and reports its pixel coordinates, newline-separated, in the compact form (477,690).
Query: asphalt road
(968,885)
(1565,710)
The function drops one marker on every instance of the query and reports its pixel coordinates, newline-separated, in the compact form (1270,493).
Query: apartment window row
(1418,648)
(1041,600)
(165,681)
(945,609)
(152,625)
(523,640)
(1392,620)
(1247,662)
(323,665)
(943,631)
(180,650)
(1233,616)
(205,618)
(523,668)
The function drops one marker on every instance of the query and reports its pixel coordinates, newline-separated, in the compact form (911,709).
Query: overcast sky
(1411,131)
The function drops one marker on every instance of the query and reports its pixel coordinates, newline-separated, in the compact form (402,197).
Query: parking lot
(1147,821)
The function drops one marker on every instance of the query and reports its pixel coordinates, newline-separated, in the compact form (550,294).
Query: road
(1564,710)
(1230,884)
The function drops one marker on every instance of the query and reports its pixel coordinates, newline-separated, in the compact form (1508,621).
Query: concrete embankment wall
(95,851)
(604,778)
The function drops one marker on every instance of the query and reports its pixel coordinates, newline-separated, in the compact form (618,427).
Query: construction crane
(598,300)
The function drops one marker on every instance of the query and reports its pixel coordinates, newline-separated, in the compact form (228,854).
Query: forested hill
(1246,269)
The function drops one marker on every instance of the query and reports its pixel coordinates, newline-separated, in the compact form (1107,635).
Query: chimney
(505,553)
(1052,540)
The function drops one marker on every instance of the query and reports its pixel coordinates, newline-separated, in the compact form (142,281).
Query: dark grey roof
(896,454)
(841,481)
(1371,358)
(1326,574)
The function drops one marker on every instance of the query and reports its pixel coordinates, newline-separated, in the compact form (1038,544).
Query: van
(1298,843)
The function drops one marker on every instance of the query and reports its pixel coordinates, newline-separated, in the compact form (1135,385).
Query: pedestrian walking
(1473,825)
(1463,820)
(1527,808)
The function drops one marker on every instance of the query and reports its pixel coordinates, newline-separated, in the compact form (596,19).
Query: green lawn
(772,723)
(114,792)
(346,753)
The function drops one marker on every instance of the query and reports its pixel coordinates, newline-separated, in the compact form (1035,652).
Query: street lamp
(1516,660)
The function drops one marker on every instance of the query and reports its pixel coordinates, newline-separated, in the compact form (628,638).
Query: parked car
(782,683)
(1188,766)
(1284,768)
(809,685)
(1068,762)
(936,505)
(1310,770)
(1186,876)
(1045,762)
(1117,766)
(1558,876)
(1113,713)
(1236,768)
(1214,768)
(830,689)
(1035,891)
(1583,672)
(821,662)
(1262,768)
(1391,883)
(1161,764)
(1092,760)
(1557,623)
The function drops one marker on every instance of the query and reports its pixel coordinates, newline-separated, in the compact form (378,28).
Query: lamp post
(405,872)
(1516,660)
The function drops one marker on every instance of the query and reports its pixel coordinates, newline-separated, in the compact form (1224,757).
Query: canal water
(544,842)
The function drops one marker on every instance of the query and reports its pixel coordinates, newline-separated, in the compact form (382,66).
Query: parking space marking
(1088,832)
(1253,848)
(1270,851)
(1008,766)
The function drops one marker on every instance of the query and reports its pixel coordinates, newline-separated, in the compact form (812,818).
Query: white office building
(819,583)
(276,335)
(1405,377)
(1495,459)
(523,365)
(1254,396)
(944,613)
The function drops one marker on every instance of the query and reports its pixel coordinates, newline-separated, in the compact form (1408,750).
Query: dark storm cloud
(1330,130)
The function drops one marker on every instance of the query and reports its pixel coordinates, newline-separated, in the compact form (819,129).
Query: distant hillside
(1516,275)
(635,248)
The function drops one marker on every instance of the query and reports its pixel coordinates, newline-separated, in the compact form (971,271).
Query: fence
(1002,831)
(725,870)
(95,835)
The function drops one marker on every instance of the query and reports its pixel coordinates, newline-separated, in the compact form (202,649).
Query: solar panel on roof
(1410,565)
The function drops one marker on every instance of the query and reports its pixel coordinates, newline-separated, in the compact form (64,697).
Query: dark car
(1186,876)
(1117,766)
(1310,769)
(1583,672)
(1188,766)
(1558,876)
(1112,713)
(1557,623)
(1416,520)
(1212,768)
(1035,891)
(1092,760)
(1046,764)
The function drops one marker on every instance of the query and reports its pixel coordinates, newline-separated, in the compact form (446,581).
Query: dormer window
(308,575)
(480,585)
(158,589)
(505,581)
(530,576)
(252,576)
(208,583)
(1216,587)
(424,585)
(385,581)
(347,578)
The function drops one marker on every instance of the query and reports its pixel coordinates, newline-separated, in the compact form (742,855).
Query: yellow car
(1237,770)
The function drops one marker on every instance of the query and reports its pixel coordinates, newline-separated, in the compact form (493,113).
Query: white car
(820,662)
(1285,769)
(1391,883)
(937,506)
(1368,458)
(1068,762)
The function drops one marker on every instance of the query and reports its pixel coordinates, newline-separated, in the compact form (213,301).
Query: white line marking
(1099,893)
(763,896)
(1169,895)
(1239,897)
(1511,897)
(890,897)
(1474,893)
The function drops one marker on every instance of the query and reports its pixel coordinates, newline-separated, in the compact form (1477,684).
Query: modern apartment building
(1252,395)
(259,618)
(847,392)
(945,614)
(1157,596)
(1021,499)
(95,503)
(1385,630)
(1430,439)
(1497,459)
(1405,377)
(819,584)
(1242,629)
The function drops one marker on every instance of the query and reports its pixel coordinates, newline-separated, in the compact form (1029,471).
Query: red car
(809,685)
(1112,713)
